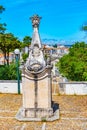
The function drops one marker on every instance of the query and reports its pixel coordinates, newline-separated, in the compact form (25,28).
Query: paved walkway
(73,114)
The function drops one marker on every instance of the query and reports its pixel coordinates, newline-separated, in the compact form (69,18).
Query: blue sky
(61,19)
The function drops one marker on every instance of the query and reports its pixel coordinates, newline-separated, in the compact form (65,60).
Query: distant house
(59,51)
(11,57)
(47,49)
(62,50)
(1,59)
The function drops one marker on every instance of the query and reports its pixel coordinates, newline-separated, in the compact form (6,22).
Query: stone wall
(73,88)
(9,86)
(69,88)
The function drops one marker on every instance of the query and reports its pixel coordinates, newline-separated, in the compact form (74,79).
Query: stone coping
(9,81)
(73,82)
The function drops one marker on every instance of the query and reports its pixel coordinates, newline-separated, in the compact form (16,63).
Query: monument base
(39,114)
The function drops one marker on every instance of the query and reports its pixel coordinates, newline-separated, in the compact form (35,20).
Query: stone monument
(37,83)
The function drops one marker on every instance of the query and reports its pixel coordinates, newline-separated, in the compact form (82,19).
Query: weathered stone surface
(37,84)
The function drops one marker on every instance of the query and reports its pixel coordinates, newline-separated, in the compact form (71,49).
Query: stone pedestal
(37,96)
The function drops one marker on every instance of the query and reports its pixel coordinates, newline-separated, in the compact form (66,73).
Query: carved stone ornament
(36,51)
(35,67)
(35,20)
(36,60)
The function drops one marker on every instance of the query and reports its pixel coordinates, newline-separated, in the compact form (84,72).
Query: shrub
(9,72)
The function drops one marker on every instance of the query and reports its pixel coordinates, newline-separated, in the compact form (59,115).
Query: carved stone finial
(35,21)
(35,60)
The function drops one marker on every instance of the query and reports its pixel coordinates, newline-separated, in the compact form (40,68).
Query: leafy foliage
(9,72)
(2,25)
(8,42)
(74,65)
(24,56)
(84,27)
(26,41)
(1,8)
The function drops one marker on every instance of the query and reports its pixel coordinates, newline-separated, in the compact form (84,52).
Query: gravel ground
(73,114)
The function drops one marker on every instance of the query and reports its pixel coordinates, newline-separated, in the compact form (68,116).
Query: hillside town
(55,52)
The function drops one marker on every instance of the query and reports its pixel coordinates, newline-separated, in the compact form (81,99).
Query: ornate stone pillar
(36,82)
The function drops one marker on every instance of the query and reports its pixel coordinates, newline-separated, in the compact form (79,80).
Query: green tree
(1,8)
(2,45)
(84,27)
(2,29)
(2,25)
(26,41)
(74,65)
(8,42)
